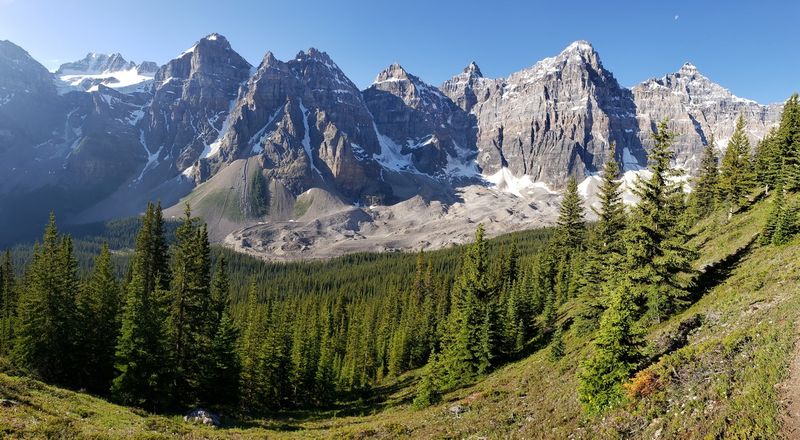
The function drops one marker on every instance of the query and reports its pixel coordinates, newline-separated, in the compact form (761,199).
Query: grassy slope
(722,384)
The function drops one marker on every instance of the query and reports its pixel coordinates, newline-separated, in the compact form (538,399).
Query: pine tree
(428,389)
(782,222)
(706,189)
(255,389)
(221,370)
(99,317)
(570,226)
(221,378)
(557,345)
(324,379)
(468,349)
(737,175)
(769,162)
(46,326)
(656,255)
(142,362)
(190,323)
(788,144)
(617,353)
(605,248)
(8,312)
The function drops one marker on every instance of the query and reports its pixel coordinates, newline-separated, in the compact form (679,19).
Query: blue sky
(750,47)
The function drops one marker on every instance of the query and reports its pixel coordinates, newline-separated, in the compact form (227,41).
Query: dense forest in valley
(167,322)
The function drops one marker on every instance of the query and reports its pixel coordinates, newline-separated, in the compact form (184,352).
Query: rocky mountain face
(308,124)
(437,135)
(27,93)
(553,120)
(297,139)
(697,109)
(192,97)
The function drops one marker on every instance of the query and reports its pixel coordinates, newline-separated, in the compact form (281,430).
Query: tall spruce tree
(8,312)
(190,320)
(705,193)
(737,175)
(253,387)
(46,328)
(656,255)
(142,361)
(99,318)
(569,242)
(467,349)
(617,353)
(768,161)
(221,370)
(571,226)
(788,144)
(605,249)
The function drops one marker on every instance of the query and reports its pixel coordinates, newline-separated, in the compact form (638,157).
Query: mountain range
(291,159)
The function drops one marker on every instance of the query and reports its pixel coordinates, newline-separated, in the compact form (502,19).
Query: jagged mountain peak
(314,54)
(211,42)
(580,55)
(581,46)
(415,92)
(473,70)
(215,37)
(268,60)
(395,72)
(688,69)
(695,87)
(95,63)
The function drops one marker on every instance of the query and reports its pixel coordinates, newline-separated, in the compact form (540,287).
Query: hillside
(719,369)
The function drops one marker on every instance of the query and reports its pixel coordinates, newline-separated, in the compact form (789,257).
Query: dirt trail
(790,394)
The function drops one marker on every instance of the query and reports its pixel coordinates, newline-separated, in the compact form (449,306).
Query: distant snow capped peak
(94,64)
(110,70)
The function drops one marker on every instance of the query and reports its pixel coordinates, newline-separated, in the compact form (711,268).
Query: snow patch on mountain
(523,186)
(391,156)
(307,138)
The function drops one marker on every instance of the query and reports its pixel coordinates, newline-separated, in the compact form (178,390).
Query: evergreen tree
(142,362)
(656,255)
(788,144)
(570,226)
(605,248)
(99,317)
(769,162)
(706,191)
(220,381)
(782,222)
(467,351)
(46,327)
(737,176)
(557,345)
(190,321)
(253,389)
(8,311)
(617,353)
(428,389)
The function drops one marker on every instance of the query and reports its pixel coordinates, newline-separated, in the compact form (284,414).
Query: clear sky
(750,47)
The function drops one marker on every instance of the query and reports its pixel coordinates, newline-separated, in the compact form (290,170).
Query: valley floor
(726,367)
